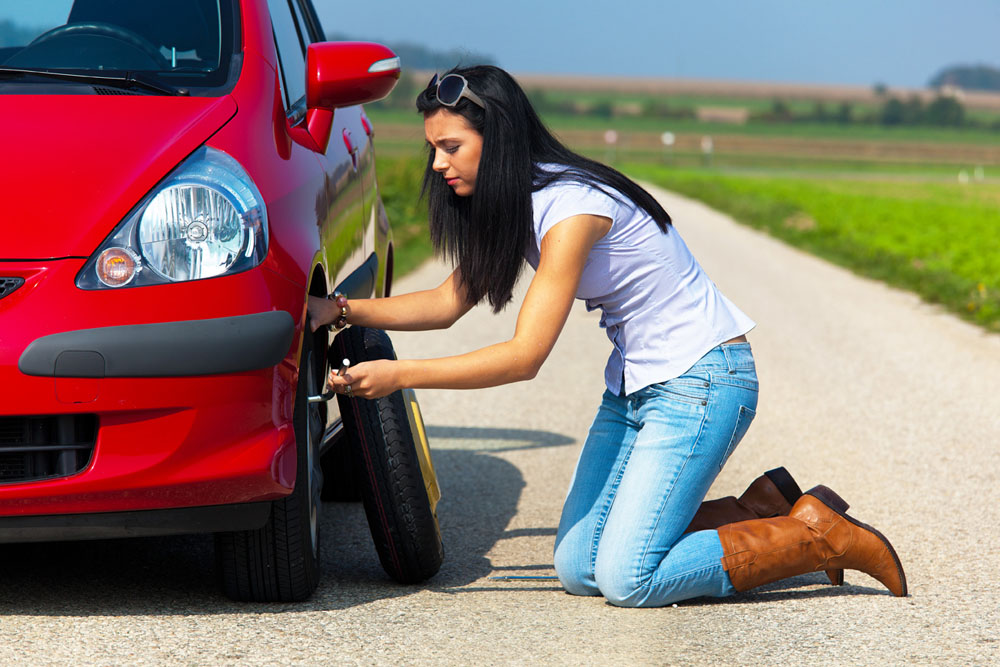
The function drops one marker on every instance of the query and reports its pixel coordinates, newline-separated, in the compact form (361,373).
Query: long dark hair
(487,233)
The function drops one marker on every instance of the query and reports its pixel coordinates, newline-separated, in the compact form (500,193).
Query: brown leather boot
(771,494)
(816,535)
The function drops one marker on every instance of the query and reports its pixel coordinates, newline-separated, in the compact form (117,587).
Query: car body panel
(76,166)
(64,143)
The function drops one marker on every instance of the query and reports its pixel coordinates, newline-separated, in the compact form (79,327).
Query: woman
(681,388)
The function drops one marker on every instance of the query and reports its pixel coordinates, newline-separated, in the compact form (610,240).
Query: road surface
(863,388)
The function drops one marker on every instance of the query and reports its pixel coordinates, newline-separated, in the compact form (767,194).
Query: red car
(177,177)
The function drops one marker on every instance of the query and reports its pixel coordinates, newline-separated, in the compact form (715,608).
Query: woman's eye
(451,149)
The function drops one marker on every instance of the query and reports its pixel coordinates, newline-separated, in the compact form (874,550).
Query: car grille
(8,285)
(33,448)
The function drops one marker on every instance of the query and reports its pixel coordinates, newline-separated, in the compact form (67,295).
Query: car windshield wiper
(130,80)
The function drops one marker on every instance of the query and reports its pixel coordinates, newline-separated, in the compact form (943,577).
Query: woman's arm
(546,306)
(436,308)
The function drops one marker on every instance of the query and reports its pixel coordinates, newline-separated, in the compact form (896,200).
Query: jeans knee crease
(683,575)
(602,518)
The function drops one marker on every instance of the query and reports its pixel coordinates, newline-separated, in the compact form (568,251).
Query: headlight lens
(189,232)
(206,219)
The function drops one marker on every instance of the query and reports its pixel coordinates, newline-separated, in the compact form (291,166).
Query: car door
(302,197)
(342,211)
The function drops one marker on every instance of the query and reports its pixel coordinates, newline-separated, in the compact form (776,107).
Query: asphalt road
(863,388)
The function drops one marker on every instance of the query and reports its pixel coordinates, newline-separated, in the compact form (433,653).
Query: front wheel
(279,562)
(392,460)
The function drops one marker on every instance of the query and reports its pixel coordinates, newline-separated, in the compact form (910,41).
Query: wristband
(341,321)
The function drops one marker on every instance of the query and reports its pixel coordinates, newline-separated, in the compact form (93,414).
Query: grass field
(908,221)
(399,179)
(936,239)
(639,124)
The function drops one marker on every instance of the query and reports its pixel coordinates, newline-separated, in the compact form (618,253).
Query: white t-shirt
(659,308)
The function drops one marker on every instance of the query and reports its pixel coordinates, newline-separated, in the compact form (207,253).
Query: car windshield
(173,43)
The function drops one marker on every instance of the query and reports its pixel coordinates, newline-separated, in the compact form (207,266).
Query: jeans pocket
(739,378)
(743,420)
(685,389)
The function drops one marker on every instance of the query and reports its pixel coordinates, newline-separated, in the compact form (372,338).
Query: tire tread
(403,526)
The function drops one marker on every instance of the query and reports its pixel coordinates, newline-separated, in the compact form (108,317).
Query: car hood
(73,166)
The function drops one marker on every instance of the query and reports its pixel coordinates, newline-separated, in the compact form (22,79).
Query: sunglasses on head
(453,87)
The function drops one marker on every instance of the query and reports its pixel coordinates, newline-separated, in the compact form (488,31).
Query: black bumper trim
(171,349)
(140,523)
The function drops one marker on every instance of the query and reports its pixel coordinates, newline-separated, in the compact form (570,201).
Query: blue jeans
(648,462)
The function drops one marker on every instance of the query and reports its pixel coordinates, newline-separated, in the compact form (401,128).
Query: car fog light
(117,267)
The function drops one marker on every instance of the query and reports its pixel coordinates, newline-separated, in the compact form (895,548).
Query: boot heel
(826,496)
(782,479)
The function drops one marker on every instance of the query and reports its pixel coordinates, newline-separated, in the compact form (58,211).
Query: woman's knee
(574,570)
(692,568)
(618,587)
(622,590)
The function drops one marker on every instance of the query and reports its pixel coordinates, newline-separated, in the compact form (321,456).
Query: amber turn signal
(117,267)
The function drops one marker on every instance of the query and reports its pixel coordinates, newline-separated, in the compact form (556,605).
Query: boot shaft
(815,536)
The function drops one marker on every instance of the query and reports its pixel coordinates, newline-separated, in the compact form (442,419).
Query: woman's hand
(369,379)
(327,311)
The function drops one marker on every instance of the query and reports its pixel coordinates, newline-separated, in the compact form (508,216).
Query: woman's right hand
(328,311)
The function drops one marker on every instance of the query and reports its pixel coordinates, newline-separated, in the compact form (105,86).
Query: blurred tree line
(967,77)
(546,103)
(942,111)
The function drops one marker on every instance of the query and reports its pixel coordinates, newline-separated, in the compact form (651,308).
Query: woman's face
(457,147)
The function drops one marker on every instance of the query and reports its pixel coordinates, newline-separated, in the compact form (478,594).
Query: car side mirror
(343,74)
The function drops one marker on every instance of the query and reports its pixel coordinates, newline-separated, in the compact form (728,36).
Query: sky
(900,43)
(896,42)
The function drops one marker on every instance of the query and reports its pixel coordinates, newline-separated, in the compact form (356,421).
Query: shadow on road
(174,575)
(494,439)
(805,586)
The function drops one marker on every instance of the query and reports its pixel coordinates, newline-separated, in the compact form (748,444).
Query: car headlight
(206,219)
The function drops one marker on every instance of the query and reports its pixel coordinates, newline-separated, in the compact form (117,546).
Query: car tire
(385,441)
(279,562)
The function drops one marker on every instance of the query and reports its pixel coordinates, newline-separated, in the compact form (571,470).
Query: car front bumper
(142,523)
(192,387)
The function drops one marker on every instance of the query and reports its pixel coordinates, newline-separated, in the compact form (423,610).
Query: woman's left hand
(328,311)
(369,379)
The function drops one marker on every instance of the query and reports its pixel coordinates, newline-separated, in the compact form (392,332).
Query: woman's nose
(440,163)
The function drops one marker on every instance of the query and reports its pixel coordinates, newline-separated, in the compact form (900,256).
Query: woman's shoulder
(570,194)
(552,175)
(553,181)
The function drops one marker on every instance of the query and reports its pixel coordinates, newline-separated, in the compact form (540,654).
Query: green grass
(761,129)
(803,166)
(936,239)
(795,129)
(399,179)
